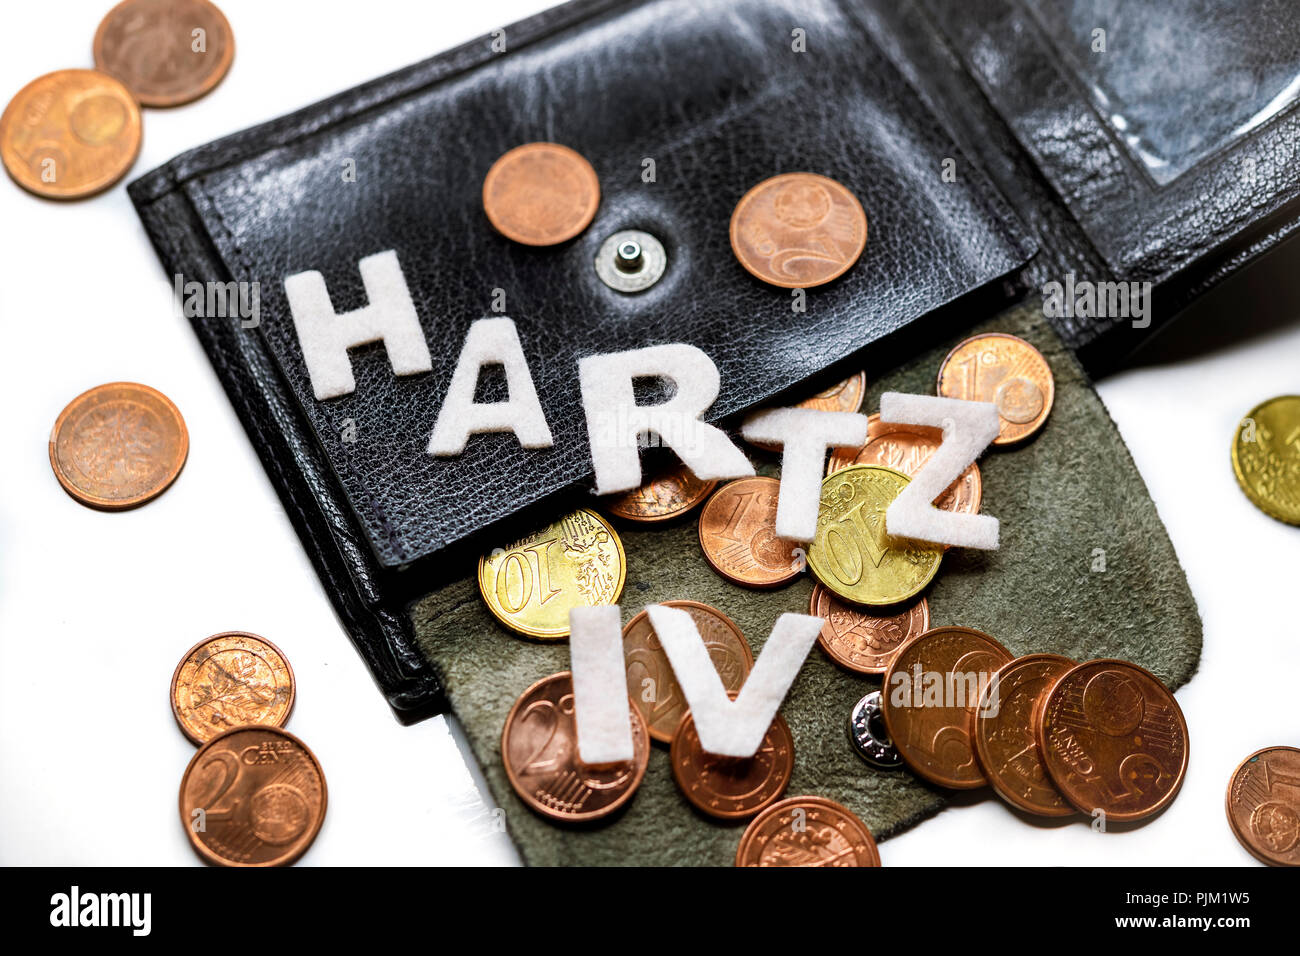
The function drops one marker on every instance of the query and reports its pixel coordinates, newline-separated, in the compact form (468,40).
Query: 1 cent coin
(798,230)
(539,747)
(118,445)
(531,585)
(1266,457)
(650,680)
(860,641)
(69,134)
(1264,805)
(230,680)
(853,555)
(541,194)
(166,52)
(253,796)
(669,494)
(738,535)
(732,788)
(1004,736)
(807,831)
(1007,371)
(931,690)
(906,448)
(1113,739)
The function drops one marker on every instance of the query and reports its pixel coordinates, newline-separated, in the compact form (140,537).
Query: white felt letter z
(726,727)
(601,708)
(325,337)
(968,427)
(490,342)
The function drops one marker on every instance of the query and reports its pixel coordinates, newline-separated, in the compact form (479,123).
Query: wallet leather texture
(712,92)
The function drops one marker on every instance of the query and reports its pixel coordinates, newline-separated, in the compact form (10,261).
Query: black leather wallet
(884,97)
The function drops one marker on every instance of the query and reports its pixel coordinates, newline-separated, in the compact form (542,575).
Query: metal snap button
(631,261)
(867,731)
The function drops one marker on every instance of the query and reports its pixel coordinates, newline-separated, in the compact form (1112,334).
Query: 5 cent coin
(539,747)
(861,641)
(807,831)
(166,52)
(1264,805)
(1007,371)
(253,796)
(738,534)
(230,680)
(118,445)
(69,134)
(541,194)
(670,494)
(732,788)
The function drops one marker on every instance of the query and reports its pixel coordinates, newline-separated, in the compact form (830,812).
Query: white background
(96,609)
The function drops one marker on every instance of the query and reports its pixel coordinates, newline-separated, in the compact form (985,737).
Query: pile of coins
(253,794)
(73,133)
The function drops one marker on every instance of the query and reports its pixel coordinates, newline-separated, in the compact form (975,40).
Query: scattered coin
(1007,371)
(650,680)
(166,52)
(930,693)
(860,641)
(118,445)
(1266,457)
(230,680)
(845,396)
(906,448)
(732,788)
(1264,805)
(738,535)
(1113,739)
(852,554)
(669,494)
(807,831)
(539,746)
(1004,736)
(798,230)
(541,194)
(253,796)
(869,735)
(531,585)
(70,134)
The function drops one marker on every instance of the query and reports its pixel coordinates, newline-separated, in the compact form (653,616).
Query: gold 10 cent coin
(229,680)
(118,445)
(167,52)
(1264,805)
(253,796)
(532,584)
(798,230)
(852,554)
(1007,371)
(1266,457)
(541,194)
(69,134)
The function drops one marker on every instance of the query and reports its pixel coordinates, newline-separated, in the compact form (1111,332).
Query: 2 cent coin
(230,680)
(807,831)
(1264,805)
(1007,371)
(166,52)
(541,194)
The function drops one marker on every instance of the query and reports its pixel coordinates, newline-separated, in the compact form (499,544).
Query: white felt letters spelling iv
(600,704)
(490,341)
(804,434)
(615,420)
(726,727)
(968,427)
(325,336)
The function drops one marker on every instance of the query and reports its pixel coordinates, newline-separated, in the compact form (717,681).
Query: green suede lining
(1070,490)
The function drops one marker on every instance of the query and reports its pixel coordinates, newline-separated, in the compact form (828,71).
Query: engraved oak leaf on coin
(233,689)
(118,438)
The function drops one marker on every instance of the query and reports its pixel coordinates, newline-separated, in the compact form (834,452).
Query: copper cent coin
(906,448)
(118,445)
(859,640)
(230,680)
(669,494)
(845,396)
(539,747)
(1004,734)
(798,230)
(930,693)
(650,680)
(1113,739)
(807,831)
(1007,371)
(253,796)
(166,52)
(732,788)
(69,134)
(738,535)
(1264,805)
(541,194)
